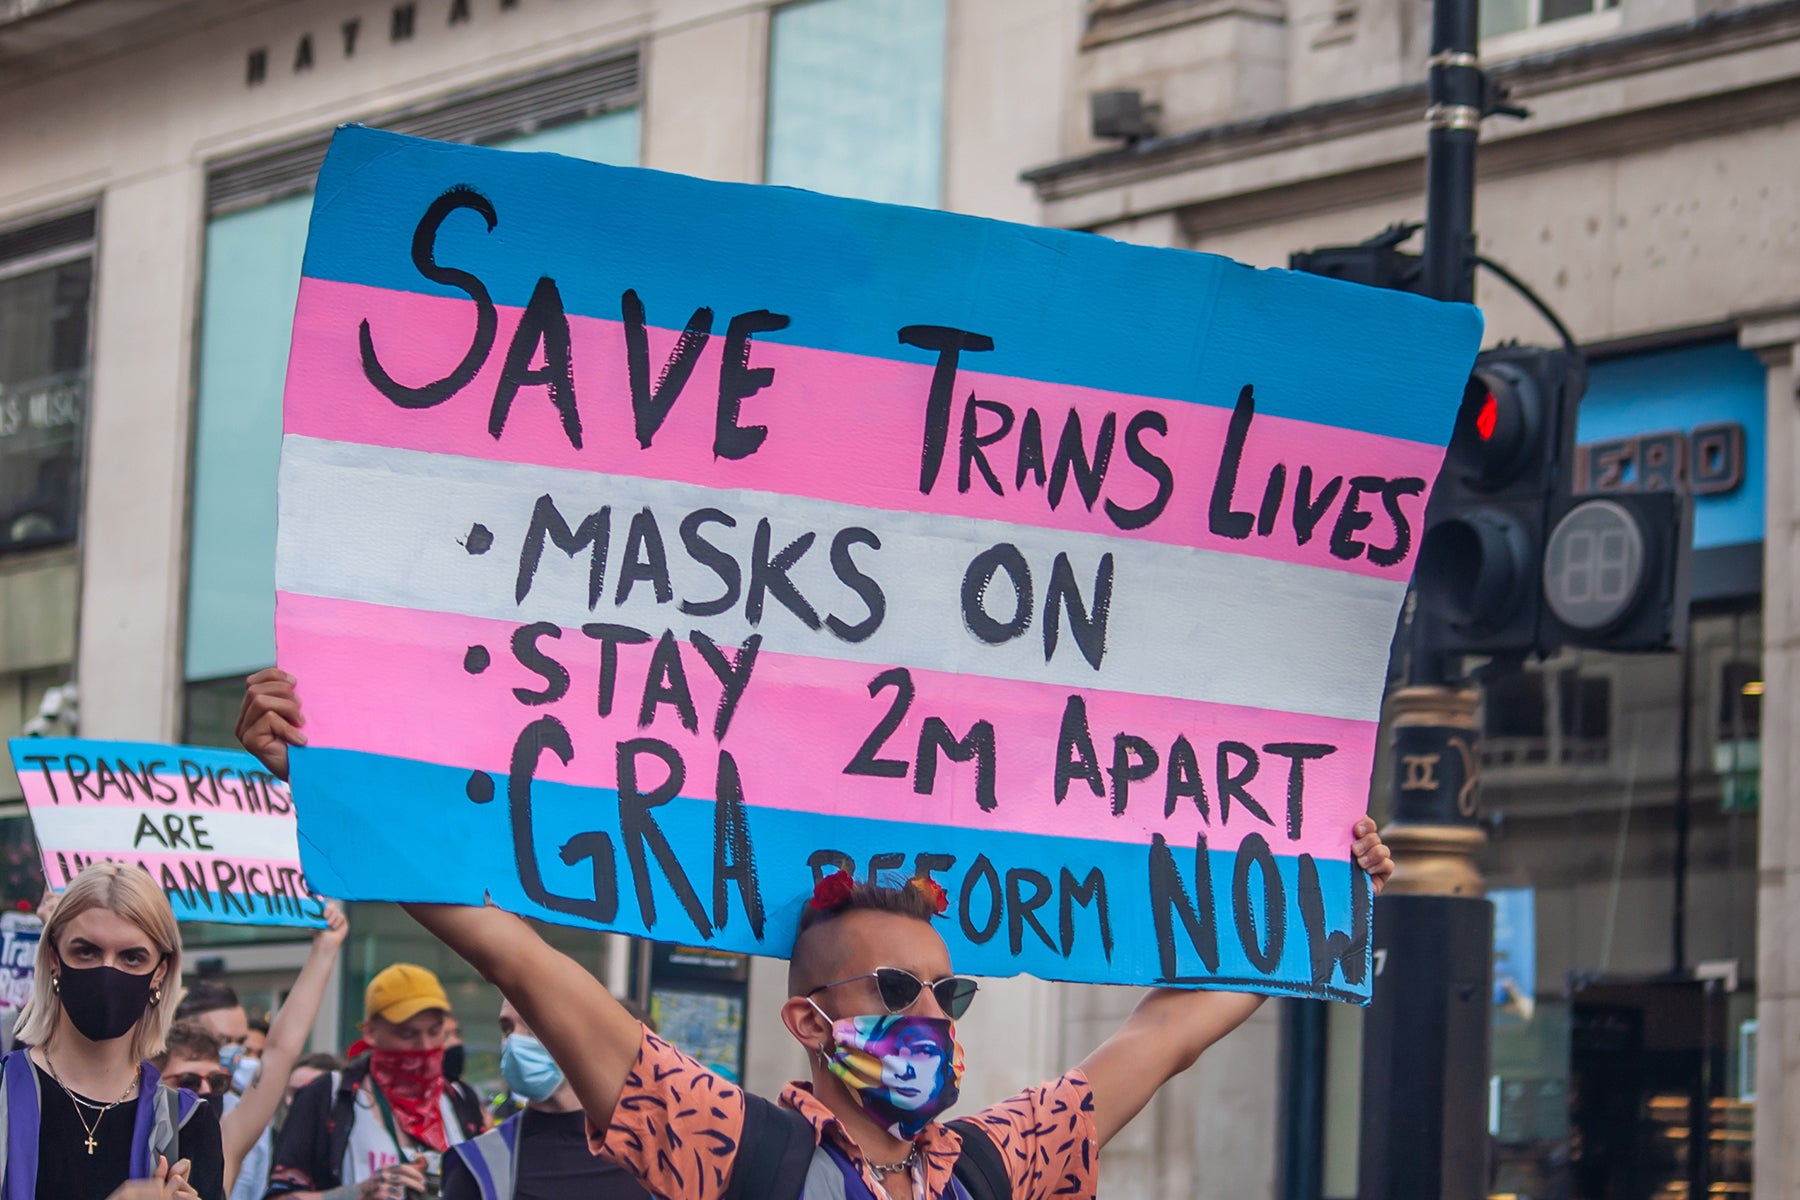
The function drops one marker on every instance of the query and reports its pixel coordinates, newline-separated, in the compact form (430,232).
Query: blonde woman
(84,1113)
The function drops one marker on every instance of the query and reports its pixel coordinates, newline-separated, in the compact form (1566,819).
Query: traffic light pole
(1426,1041)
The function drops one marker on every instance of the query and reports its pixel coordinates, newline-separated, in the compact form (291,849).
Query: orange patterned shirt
(676,1128)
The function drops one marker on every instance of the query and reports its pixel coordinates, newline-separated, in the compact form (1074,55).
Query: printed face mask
(103,1003)
(530,1073)
(905,1071)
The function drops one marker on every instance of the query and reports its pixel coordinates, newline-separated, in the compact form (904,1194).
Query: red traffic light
(1499,429)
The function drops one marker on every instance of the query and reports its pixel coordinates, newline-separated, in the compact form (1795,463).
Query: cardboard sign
(19,936)
(211,826)
(650,547)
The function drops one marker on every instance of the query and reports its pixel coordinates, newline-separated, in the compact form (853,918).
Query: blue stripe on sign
(1061,307)
(379,828)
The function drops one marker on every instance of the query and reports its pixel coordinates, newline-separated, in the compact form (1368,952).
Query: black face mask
(103,1003)
(215,1101)
(453,1062)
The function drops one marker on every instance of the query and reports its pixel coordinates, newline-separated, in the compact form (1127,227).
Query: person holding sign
(85,1112)
(873,998)
(245,1127)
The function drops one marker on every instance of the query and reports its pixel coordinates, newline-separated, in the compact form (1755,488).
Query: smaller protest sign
(211,826)
(19,935)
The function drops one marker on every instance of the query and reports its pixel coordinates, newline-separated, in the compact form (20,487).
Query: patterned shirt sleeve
(1046,1137)
(676,1126)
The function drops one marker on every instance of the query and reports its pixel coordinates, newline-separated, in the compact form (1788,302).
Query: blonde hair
(130,892)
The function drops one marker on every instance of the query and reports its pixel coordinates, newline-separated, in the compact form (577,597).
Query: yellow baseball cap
(402,992)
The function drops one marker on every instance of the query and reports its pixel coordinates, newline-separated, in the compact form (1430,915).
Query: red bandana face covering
(412,1082)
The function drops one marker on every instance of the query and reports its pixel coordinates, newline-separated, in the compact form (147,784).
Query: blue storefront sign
(1691,418)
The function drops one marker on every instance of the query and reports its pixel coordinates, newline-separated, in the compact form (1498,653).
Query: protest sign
(211,826)
(649,547)
(19,934)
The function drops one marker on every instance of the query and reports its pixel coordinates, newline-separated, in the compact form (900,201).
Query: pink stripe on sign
(849,429)
(155,786)
(396,682)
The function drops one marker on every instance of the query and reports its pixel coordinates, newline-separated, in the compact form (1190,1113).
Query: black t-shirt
(554,1163)
(67,1170)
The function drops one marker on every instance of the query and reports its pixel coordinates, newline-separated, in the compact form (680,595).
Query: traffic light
(1616,571)
(1512,562)
(1481,556)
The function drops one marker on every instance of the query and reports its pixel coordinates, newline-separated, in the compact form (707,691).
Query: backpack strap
(173,1108)
(343,1116)
(19,1081)
(144,1125)
(979,1168)
(774,1153)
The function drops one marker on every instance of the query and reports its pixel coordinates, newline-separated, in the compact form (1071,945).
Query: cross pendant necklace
(90,1142)
(78,1102)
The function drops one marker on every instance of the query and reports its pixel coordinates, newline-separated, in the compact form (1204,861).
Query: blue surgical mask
(530,1073)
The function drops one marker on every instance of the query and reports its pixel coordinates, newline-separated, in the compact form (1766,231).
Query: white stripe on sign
(389,527)
(122,829)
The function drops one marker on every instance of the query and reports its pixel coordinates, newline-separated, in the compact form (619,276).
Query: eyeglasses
(216,1082)
(900,990)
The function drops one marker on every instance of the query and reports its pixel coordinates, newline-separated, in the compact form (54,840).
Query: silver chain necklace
(80,1102)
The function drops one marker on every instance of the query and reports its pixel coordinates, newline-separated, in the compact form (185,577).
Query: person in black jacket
(378,1129)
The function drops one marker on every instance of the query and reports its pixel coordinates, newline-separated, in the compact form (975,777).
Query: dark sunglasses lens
(898,989)
(220,1083)
(954,995)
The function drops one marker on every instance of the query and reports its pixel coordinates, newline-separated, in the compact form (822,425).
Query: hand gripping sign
(211,826)
(649,547)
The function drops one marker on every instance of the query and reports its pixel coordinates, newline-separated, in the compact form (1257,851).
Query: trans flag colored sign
(650,547)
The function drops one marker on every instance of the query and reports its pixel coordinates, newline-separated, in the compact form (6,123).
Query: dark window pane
(1740,702)
(1586,706)
(1559,10)
(1515,706)
(43,403)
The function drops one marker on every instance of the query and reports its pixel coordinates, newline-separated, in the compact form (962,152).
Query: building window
(856,99)
(46,276)
(1549,715)
(1511,16)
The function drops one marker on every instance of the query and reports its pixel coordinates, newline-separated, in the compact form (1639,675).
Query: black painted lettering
(1072,458)
(1222,519)
(733,674)
(1087,626)
(487,317)
(1391,495)
(639,829)
(769,576)
(853,577)
(977,744)
(594,533)
(611,637)
(666,683)
(1298,755)
(1133,759)
(547,733)
(1264,950)
(1309,510)
(949,344)
(713,559)
(1352,518)
(973,443)
(555,676)
(976,581)
(1031,452)
(1330,949)
(1169,899)
(650,405)
(645,560)
(1234,781)
(1021,907)
(1184,779)
(734,860)
(1091,890)
(865,760)
(738,381)
(1075,757)
(1151,464)
(981,871)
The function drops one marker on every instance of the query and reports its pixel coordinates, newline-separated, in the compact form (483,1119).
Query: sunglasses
(900,990)
(216,1082)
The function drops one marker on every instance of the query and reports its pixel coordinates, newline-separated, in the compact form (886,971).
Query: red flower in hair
(832,891)
(933,891)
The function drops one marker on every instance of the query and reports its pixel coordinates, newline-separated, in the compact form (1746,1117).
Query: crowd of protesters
(125,1086)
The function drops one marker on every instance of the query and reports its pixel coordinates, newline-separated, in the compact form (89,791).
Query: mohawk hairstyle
(832,900)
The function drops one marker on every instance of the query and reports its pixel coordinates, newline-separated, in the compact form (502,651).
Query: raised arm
(242,1126)
(1170,1028)
(589,1034)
